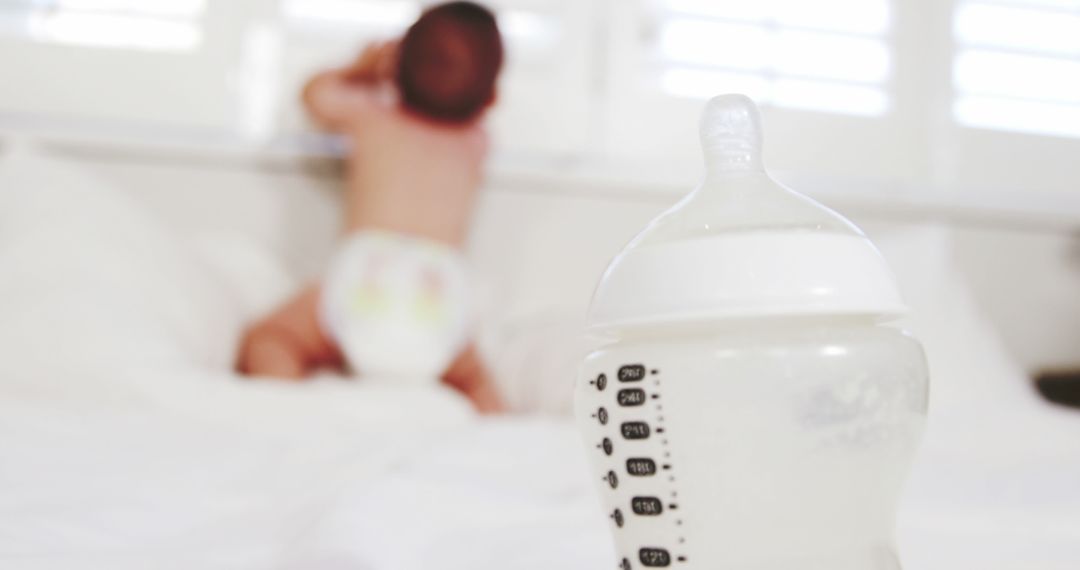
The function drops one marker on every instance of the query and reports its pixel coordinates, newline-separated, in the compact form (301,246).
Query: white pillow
(94,285)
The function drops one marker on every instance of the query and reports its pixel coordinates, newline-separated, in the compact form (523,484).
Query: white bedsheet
(95,489)
(126,443)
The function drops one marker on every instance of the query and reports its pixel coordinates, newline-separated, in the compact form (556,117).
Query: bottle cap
(741,245)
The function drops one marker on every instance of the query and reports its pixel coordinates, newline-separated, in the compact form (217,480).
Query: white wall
(1029,284)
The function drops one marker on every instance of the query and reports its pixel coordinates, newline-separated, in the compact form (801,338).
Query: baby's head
(449,60)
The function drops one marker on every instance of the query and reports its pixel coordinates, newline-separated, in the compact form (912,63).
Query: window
(828,68)
(1017,65)
(166,25)
(828,55)
(120,68)
(856,92)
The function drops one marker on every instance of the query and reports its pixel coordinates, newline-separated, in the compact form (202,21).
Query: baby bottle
(752,407)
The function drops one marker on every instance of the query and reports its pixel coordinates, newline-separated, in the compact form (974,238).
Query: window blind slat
(832,58)
(1017,66)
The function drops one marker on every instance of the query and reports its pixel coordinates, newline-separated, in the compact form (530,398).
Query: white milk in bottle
(753,409)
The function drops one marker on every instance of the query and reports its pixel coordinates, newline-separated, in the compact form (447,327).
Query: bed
(127,442)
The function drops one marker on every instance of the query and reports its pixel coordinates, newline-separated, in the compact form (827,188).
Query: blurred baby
(394,304)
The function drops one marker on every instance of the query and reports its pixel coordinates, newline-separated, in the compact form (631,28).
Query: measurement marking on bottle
(631,373)
(657,508)
(646,506)
(654,557)
(630,397)
(600,382)
(640,466)
(635,430)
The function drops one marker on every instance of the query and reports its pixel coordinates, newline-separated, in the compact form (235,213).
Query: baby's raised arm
(336,97)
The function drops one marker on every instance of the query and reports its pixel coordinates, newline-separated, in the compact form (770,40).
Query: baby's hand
(338,97)
(378,62)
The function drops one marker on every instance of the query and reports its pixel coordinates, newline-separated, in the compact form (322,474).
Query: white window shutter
(1016,97)
(1017,66)
(823,73)
(129,65)
(829,55)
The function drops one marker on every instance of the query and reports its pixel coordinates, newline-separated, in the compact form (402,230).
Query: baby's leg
(290,342)
(470,376)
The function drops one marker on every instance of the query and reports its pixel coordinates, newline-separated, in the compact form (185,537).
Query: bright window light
(830,97)
(530,35)
(690,82)
(1003,74)
(1018,115)
(830,56)
(792,93)
(1045,3)
(1018,66)
(1053,31)
(352,13)
(158,8)
(869,17)
(785,52)
(529,30)
(106,30)
(159,25)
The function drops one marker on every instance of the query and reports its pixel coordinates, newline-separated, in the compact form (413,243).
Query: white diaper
(397,305)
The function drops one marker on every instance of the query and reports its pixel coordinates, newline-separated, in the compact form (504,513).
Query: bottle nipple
(731,135)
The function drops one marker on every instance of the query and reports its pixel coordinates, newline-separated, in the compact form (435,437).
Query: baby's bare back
(413,176)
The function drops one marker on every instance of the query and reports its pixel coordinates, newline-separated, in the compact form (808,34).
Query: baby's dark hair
(449,61)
